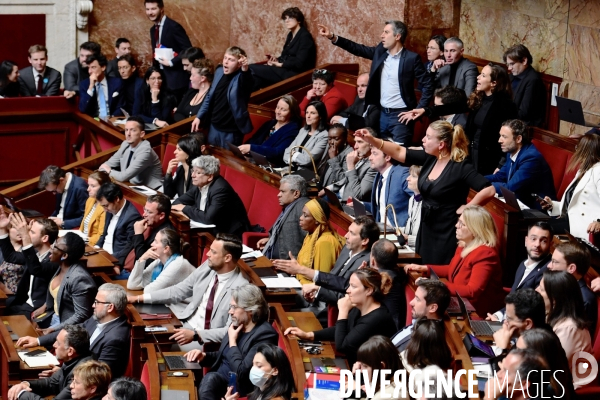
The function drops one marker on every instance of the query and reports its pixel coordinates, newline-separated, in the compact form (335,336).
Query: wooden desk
(101,262)
(21,326)
(3,298)
(159,379)
(309,323)
(287,299)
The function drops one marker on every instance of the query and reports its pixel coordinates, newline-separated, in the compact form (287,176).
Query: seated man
(156,217)
(212,200)
(358,172)
(529,91)
(108,328)
(249,329)
(324,91)
(204,318)
(286,236)
(99,95)
(189,55)
(525,170)
(575,258)
(71,196)
(331,166)
(71,348)
(39,79)
(77,70)
(122,48)
(530,271)
(131,81)
(118,228)
(135,161)
(451,96)
(455,70)
(359,115)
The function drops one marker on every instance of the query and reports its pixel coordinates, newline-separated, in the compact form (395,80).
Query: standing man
(77,70)
(122,47)
(455,70)
(169,34)
(360,114)
(391,80)
(39,79)
(99,95)
(226,103)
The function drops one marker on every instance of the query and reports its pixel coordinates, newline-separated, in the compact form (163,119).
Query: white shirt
(104,85)
(99,329)
(64,196)
(381,199)
(529,266)
(390,85)
(110,231)
(204,195)
(197,319)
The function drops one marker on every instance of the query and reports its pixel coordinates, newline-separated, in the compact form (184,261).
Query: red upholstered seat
(169,155)
(258,118)
(557,158)
(348,90)
(409,294)
(281,342)
(332,315)
(596,335)
(567,179)
(264,208)
(145,379)
(339,229)
(242,184)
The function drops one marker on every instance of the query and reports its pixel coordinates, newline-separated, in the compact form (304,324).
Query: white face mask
(258,377)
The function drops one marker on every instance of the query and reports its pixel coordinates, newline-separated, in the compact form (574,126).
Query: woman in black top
(9,79)
(153,101)
(188,148)
(444,184)
(203,71)
(299,53)
(361,314)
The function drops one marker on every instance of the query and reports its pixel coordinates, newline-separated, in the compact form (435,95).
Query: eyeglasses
(233,307)
(101,302)
(321,71)
(54,246)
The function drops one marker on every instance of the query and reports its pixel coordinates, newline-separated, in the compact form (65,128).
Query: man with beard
(108,329)
(205,316)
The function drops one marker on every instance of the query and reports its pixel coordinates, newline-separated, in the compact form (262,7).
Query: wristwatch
(197,338)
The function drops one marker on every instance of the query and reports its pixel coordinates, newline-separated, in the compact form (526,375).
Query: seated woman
(324,91)
(313,137)
(475,271)
(202,74)
(565,312)
(299,53)
(9,79)
(168,268)
(94,215)
(413,222)
(273,137)
(360,317)
(435,51)
(271,374)
(10,272)
(178,178)
(153,102)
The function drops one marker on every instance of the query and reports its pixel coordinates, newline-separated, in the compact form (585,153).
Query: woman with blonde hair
(94,215)
(475,267)
(444,184)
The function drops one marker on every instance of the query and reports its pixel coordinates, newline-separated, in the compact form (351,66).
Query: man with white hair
(454,69)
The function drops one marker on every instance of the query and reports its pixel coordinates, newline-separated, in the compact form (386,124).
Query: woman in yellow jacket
(94,216)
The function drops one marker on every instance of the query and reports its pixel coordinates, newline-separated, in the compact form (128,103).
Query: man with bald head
(359,114)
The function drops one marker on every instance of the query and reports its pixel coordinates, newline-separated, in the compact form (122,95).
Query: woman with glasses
(168,268)
(475,272)
(323,90)
(299,53)
(154,103)
(313,137)
(178,177)
(201,78)
(92,223)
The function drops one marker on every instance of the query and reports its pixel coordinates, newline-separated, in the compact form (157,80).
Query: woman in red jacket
(324,91)
(475,271)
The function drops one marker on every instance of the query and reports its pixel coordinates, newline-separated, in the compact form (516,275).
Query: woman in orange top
(92,223)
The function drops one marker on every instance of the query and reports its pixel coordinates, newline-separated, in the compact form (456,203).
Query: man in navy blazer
(95,102)
(71,195)
(525,170)
(227,101)
(120,218)
(398,94)
(166,33)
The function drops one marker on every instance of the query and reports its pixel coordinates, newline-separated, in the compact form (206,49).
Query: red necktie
(157,35)
(211,303)
(40,84)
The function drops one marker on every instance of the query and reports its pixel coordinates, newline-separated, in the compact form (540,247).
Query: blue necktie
(101,100)
(510,171)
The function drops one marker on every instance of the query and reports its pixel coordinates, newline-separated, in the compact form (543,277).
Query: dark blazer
(176,185)
(289,237)
(465,79)
(334,289)
(223,208)
(122,242)
(74,73)
(530,173)
(112,68)
(238,95)
(173,37)
(51,79)
(590,304)
(411,68)
(129,90)
(534,278)
(141,245)
(299,54)
(77,195)
(89,104)
(530,97)
(240,358)
(273,146)
(59,384)
(148,111)
(184,109)
(355,112)
(396,193)
(460,119)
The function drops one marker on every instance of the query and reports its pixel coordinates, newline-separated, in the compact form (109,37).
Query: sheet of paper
(246,249)
(281,282)
(406,250)
(39,361)
(165,53)
(252,254)
(196,225)
(145,190)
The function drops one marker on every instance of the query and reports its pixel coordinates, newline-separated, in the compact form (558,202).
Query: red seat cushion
(242,184)
(258,118)
(557,158)
(264,207)
(409,294)
(348,90)
(145,379)
(169,155)
(566,179)
(338,228)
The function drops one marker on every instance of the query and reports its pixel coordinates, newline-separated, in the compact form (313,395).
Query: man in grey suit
(38,79)
(77,70)
(285,236)
(455,70)
(135,161)
(206,317)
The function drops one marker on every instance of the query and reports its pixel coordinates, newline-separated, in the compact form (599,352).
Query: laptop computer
(10,204)
(570,110)
(479,327)
(147,126)
(335,201)
(176,362)
(236,151)
(529,213)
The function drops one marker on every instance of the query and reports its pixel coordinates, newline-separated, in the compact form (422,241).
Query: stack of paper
(281,282)
(252,254)
(145,190)
(42,360)
(196,224)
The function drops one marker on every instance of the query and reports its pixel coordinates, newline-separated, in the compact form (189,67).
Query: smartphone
(313,343)
(90,253)
(14,337)
(177,374)
(35,353)
(328,361)
(539,198)
(233,381)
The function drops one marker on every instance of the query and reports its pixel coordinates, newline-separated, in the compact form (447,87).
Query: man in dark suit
(156,217)
(118,228)
(525,170)
(359,114)
(39,79)
(122,48)
(212,200)
(529,91)
(226,103)
(399,68)
(530,271)
(131,81)
(77,70)
(71,195)
(454,69)
(108,328)
(286,236)
(100,95)
(166,33)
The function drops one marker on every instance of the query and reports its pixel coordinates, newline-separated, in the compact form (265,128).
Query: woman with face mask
(271,374)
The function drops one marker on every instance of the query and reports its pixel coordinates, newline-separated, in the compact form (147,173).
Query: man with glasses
(156,218)
(108,328)
(71,195)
